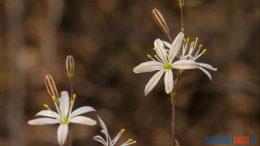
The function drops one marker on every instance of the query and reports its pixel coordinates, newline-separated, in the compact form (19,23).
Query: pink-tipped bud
(159,19)
(70,66)
(51,86)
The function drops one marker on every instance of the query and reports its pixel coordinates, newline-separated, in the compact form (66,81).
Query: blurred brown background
(107,39)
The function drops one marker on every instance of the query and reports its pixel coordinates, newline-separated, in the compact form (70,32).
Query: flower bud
(159,19)
(51,86)
(70,66)
(181,3)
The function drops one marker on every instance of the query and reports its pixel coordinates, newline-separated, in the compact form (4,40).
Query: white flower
(191,54)
(64,115)
(164,63)
(108,141)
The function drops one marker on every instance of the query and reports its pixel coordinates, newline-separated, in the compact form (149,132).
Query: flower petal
(207,66)
(206,72)
(176,45)
(104,129)
(62,133)
(160,51)
(83,120)
(153,81)
(168,81)
(185,64)
(48,113)
(114,141)
(100,139)
(82,110)
(168,45)
(148,66)
(43,121)
(64,103)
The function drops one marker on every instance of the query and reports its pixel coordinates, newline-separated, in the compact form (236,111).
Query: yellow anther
(74,96)
(200,46)
(204,50)
(122,130)
(46,106)
(130,139)
(54,98)
(149,56)
(154,48)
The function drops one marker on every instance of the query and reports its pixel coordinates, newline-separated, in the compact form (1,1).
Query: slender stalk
(173,99)
(70,140)
(182,23)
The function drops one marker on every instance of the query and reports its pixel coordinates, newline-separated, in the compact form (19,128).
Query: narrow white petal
(98,138)
(185,64)
(82,110)
(176,45)
(168,45)
(48,113)
(64,103)
(168,81)
(62,134)
(148,66)
(160,51)
(83,120)
(104,128)
(204,65)
(43,121)
(102,124)
(206,72)
(153,81)
(114,141)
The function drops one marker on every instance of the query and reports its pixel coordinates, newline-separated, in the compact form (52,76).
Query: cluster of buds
(50,83)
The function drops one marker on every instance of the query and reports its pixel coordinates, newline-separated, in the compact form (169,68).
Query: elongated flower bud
(159,19)
(70,66)
(51,86)
(181,3)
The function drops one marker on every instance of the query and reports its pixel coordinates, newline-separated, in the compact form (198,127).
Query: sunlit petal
(83,120)
(168,81)
(148,66)
(153,81)
(176,45)
(62,134)
(43,121)
(82,110)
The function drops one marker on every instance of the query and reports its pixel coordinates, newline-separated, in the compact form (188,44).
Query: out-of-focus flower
(108,141)
(191,54)
(64,116)
(51,86)
(70,66)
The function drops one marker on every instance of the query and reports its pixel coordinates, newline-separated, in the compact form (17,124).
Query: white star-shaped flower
(108,141)
(165,61)
(191,54)
(64,116)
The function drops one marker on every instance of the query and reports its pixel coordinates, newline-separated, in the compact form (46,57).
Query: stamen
(150,57)
(158,58)
(46,106)
(122,130)
(130,139)
(74,96)
(201,54)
